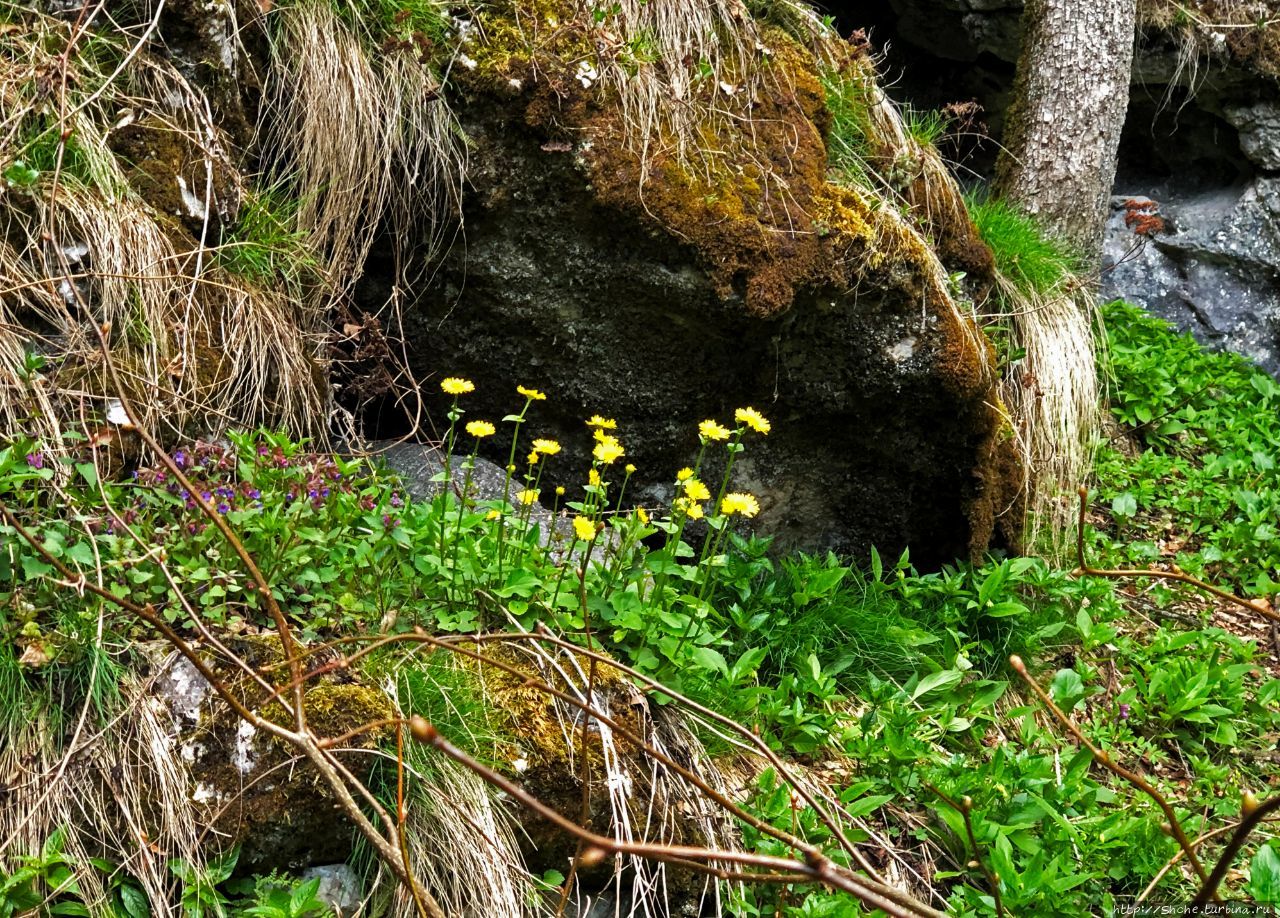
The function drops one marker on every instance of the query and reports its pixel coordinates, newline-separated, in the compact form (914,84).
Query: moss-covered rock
(257,791)
(676,277)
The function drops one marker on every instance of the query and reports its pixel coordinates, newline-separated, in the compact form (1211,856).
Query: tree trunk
(1063,129)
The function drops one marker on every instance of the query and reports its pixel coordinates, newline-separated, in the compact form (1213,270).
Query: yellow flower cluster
(753,419)
(696,490)
(546,447)
(480,429)
(684,474)
(602,423)
(690,509)
(583,528)
(710,430)
(737,502)
(527,496)
(607,449)
(456,385)
(532,394)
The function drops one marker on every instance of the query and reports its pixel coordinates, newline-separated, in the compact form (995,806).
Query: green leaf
(1124,505)
(710,659)
(1067,688)
(1264,875)
(89,472)
(934,681)
(1084,624)
(135,902)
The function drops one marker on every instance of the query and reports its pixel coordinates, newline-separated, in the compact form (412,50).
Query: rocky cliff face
(1201,151)
(663,291)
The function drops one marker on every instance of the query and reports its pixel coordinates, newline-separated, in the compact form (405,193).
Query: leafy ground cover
(889,684)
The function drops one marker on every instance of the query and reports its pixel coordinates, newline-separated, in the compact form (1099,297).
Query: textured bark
(1069,105)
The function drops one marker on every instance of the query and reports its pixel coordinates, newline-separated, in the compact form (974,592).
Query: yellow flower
(560,491)
(546,447)
(532,394)
(527,496)
(533,457)
(492,515)
(710,430)
(454,385)
(684,474)
(629,469)
(593,478)
(696,490)
(753,419)
(746,504)
(642,516)
(583,528)
(480,429)
(605,423)
(693,511)
(607,451)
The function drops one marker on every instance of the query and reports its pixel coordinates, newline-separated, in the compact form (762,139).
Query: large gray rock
(1214,272)
(873,440)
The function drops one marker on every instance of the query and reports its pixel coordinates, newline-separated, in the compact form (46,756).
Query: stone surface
(1258,126)
(255,791)
(1214,272)
(340,888)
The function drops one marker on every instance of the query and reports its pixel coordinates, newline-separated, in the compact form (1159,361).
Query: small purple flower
(35,460)
(262,449)
(313,493)
(396,500)
(1124,712)
(225,492)
(206,495)
(324,492)
(254,494)
(180,459)
(389,521)
(366,503)
(223,508)
(184,494)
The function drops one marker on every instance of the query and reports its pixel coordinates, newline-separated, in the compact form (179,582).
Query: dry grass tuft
(118,789)
(87,238)
(367,140)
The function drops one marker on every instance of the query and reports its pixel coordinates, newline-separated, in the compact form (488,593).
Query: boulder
(669,291)
(1212,271)
(251,789)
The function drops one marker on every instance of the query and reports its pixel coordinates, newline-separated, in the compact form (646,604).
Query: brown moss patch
(998,501)
(160,161)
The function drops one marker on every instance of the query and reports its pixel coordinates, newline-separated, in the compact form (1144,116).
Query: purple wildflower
(1124,712)
(396,500)
(180,459)
(223,508)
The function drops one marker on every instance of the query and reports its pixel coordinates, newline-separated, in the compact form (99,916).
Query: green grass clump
(265,244)
(1034,262)
(397,20)
(849,148)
